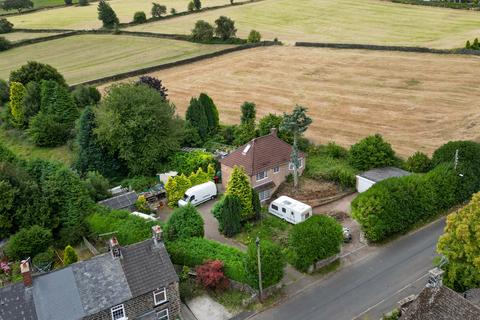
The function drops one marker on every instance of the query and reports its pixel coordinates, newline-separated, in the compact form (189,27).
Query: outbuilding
(368,178)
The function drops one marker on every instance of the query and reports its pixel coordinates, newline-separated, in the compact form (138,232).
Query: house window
(290,165)
(163,315)
(118,313)
(160,296)
(276,169)
(264,195)
(261,175)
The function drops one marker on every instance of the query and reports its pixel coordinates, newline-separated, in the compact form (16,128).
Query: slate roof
(379,174)
(147,267)
(87,287)
(264,152)
(16,303)
(123,201)
(473,295)
(441,303)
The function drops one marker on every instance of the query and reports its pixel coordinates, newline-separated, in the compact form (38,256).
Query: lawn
(348,21)
(86,17)
(269,228)
(17,142)
(19,36)
(416,101)
(88,57)
(41,4)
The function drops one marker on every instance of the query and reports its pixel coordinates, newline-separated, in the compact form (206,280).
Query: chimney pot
(26,272)
(115,247)
(157,234)
(273,131)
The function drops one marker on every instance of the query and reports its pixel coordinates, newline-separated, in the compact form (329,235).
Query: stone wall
(323,263)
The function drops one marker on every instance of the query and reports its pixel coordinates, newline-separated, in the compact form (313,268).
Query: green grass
(86,17)
(230,299)
(19,36)
(18,143)
(324,167)
(41,4)
(269,227)
(88,57)
(348,21)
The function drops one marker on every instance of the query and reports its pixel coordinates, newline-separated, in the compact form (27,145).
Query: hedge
(195,251)
(395,205)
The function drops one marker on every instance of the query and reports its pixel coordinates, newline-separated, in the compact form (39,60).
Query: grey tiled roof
(56,296)
(16,303)
(101,283)
(123,201)
(473,295)
(147,267)
(441,303)
(379,174)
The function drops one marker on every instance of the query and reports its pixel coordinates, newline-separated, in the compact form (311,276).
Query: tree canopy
(36,71)
(185,222)
(18,5)
(371,152)
(107,15)
(239,185)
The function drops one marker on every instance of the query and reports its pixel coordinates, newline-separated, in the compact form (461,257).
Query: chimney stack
(157,234)
(26,272)
(273,131)
(435,278)
(115,247)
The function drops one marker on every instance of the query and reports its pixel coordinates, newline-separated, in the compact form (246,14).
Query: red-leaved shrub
(211,276)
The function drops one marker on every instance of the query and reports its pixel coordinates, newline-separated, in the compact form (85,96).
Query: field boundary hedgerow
(351,46)
(133,73)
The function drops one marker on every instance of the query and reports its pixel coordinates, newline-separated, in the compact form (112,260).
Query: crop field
(19,36)
(417,101)
(88,57)
(350,21)
(86,17)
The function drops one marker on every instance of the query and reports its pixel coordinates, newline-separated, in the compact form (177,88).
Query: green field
(19,36)
(41,4)
(88,57)
(354,21)
(86,17)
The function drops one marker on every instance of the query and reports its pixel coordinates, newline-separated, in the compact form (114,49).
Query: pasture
(19,36)
(87,57)
(86,17)
(417,101)
(37,4)
(347,21)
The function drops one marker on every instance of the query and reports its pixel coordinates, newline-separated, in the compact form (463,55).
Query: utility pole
(257,242)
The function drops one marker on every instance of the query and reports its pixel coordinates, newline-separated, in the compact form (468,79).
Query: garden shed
(368,178)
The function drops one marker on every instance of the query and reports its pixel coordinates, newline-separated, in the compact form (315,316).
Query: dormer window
(160,296)
(118,313)
(245,150)
(261,175)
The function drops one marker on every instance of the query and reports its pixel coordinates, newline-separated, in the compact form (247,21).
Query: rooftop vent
(247,147)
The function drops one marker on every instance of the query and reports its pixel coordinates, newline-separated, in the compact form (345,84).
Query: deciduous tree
(154,83)
(371,152)
(18,5)
(225,28)
(185,222)
(158,10)
(203,31)
(36,71)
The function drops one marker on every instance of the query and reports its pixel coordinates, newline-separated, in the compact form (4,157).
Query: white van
(290,210)
(199,194)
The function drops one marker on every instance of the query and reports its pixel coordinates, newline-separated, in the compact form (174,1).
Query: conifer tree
(230,216)
(197,118)
(239,185)
(107,15)
(17,93)
(69,256)
(211,112)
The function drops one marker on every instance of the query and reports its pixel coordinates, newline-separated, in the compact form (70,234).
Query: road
(367,288)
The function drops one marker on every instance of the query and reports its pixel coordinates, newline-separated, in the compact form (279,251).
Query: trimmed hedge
(468,151)
(195,251)
(395,205)
(273,262)
(185,222)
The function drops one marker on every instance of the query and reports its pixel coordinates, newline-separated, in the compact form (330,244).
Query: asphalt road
(368,288)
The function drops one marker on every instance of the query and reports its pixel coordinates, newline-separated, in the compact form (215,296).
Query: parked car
(347,234)
(290,210)
(199,194)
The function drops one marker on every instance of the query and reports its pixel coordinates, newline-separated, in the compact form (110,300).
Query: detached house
(266,161)
(132,282)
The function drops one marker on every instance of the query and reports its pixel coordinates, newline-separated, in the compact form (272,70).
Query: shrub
(44,260)
(139,17)
(272,261)
(195,251)
(254,37)
(69,256)
(107,15)
(418,162)
(371,152)
(83,3)
(335,151)
(158,10)
(191,6)
(330,169)
(4,92)
(5,26)
(176,187)
(188,162)
(97,186)
(468,151)
(17,93)
(18,5)
(35,71)
(28,242)
(130,229)
(225,28)
(4,44)
(185,222)
(154,83)
(173,11)
(68,2)
(86,96)
(203,31)
(229,220)
(210,275)
(315,239)
(197,4)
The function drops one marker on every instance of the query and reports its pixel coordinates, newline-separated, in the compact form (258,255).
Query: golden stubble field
(417,101)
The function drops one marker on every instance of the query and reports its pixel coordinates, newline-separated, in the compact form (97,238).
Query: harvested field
(19,36)
(87,57)
(347,21)
(417,101)
(87,17)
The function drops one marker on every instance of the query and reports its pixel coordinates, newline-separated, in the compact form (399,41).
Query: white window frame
(276,169)
(118,308)
(163,316)
(264,177)
(157,292)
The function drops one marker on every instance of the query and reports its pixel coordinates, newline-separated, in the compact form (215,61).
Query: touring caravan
(199,194)
(290,210)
